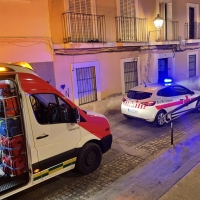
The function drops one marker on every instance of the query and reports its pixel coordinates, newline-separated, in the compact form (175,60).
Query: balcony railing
(130,29)
(192,31)
(169,31)
(79,27)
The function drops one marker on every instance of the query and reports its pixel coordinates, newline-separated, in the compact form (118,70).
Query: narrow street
(136,144)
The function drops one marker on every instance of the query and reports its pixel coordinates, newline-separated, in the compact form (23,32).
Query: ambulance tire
(89,158)
(158,121)
(198,104)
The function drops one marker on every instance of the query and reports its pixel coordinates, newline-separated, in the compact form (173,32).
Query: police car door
(55,135)
(184,95)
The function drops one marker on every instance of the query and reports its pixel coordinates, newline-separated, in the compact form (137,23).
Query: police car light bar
(167,80)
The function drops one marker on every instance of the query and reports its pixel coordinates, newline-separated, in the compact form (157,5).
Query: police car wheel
(159,120)
(89,158)
(198,104)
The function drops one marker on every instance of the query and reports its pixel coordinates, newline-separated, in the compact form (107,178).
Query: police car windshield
(138,95)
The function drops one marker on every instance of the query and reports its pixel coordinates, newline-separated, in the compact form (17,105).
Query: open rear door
(14,171)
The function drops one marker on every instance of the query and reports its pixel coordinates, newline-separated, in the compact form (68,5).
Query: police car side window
(178,90)
(166,92)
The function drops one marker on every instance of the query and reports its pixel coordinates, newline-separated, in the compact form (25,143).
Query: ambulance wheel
(89,158)
(198,104)
(159,120)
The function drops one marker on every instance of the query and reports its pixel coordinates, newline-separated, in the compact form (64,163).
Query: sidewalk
(188,188)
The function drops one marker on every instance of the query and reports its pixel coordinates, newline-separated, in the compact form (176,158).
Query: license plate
(132,110)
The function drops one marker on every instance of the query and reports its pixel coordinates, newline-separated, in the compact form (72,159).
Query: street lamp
(158,22)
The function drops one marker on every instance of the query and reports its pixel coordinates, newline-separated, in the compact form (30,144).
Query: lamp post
(158,22)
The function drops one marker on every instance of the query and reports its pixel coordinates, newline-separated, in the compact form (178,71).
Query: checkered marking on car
(134,105)
(54,169)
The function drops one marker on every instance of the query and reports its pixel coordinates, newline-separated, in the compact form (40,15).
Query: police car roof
(150,87)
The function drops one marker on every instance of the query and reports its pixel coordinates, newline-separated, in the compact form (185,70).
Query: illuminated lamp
(3,69)
(158,21)
(24,64)
(36,171)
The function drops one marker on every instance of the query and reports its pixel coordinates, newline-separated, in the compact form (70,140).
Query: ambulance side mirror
(76,115)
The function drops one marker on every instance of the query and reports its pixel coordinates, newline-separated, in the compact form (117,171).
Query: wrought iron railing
(169,31)
(192,31)
(79,27)
(130,29)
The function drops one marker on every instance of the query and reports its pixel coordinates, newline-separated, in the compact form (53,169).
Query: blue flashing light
(167,80)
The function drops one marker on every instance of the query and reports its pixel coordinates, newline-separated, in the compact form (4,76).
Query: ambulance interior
(13,156)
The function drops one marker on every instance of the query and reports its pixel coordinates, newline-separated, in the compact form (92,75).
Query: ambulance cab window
(50,109)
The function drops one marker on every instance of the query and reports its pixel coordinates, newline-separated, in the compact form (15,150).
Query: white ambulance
(43,133)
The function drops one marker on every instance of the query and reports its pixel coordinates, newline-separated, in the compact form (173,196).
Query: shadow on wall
(192,83)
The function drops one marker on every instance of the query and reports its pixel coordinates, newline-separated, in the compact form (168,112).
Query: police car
(152,101)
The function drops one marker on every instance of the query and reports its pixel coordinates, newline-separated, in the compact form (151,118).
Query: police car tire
(198,104)
(156,118)
(89,158)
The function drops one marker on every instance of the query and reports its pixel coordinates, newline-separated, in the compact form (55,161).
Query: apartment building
(94,51)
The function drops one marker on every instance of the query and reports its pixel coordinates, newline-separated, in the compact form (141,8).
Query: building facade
(94,51)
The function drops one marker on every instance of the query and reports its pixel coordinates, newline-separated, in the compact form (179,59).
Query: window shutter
(80,6)
(127,8)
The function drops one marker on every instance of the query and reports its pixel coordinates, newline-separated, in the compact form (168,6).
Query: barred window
(86,84)
(130,75)
(192,65)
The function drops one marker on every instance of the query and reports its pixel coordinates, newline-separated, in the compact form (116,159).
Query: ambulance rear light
(148,103)
(123,99)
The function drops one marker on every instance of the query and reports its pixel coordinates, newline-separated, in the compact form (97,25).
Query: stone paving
(134,143)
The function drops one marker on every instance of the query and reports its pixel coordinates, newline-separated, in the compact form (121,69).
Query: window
(127,8)
(138,95)
(80,6)
(192,21)
(130,75)
(81,24)
(86,82)
(165,11)
(192,65)
(127,20)
(178,90)
(173,91)
(166,92)
(50,109)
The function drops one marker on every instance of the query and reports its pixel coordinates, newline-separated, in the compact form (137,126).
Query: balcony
(192,31)
(130,29)
(169,31)
(79,27)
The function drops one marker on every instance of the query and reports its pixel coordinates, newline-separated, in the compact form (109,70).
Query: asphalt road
(134,142)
